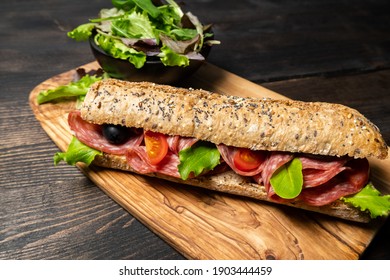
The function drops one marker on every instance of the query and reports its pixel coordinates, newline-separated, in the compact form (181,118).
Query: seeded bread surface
(259,124)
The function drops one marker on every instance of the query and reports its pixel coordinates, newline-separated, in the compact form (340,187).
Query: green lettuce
(287,181)
(144,20)
(170,58)
(117,49)
(197,159)
(133,25)
(371,200)
(76,152)
(82,32)
(74,89)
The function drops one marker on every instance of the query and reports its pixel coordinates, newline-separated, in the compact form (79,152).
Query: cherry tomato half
(246,159)
(156,146)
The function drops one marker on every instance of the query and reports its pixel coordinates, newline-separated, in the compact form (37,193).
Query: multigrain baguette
(261,124)
(258,124)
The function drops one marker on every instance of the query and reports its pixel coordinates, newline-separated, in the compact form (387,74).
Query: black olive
(116,134)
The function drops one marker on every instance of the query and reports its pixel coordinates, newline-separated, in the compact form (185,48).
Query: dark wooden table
(337,51)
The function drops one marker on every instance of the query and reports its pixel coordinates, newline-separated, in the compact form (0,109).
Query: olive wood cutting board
(203,224)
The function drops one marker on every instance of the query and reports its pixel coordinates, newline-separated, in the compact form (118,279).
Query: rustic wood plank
(72,220)
(57,213)
(279,40)
(244,228)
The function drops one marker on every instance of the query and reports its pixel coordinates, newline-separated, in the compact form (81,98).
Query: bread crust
(232,183)
(259,124)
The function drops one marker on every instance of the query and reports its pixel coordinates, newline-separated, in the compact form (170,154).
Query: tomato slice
(246,159)
(156,146)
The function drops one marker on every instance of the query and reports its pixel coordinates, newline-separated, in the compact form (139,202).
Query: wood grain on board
(202,224)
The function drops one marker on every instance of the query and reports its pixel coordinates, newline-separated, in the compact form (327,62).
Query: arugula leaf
(119,50)
(287,181)
(73,89)
(148,6)
(76,152)
(197,159)
(171,58)
(144,5)
(82,32)
(123,4)
(176,8)
(170,18)
(370,199)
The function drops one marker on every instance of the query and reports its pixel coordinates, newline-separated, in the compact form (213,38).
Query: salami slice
(173,142)
(92,136)
(274,162)
(348,182)
(317,171)
(178,143)
(185,142)
(138,160)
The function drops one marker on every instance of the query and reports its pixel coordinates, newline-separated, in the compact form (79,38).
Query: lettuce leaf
(73,89)
(133,25)
(76,152)
(119,50)
(371,200)
(287,181)
(82,32)
(171,58)
(197,159)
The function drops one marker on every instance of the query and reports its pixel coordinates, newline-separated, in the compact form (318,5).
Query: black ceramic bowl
(152,71)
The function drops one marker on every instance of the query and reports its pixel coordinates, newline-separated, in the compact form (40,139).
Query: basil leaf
(370,199)
(77,152)
(197,159)
(287,181)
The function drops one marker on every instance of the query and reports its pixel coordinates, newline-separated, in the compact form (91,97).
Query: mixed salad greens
(135,30)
